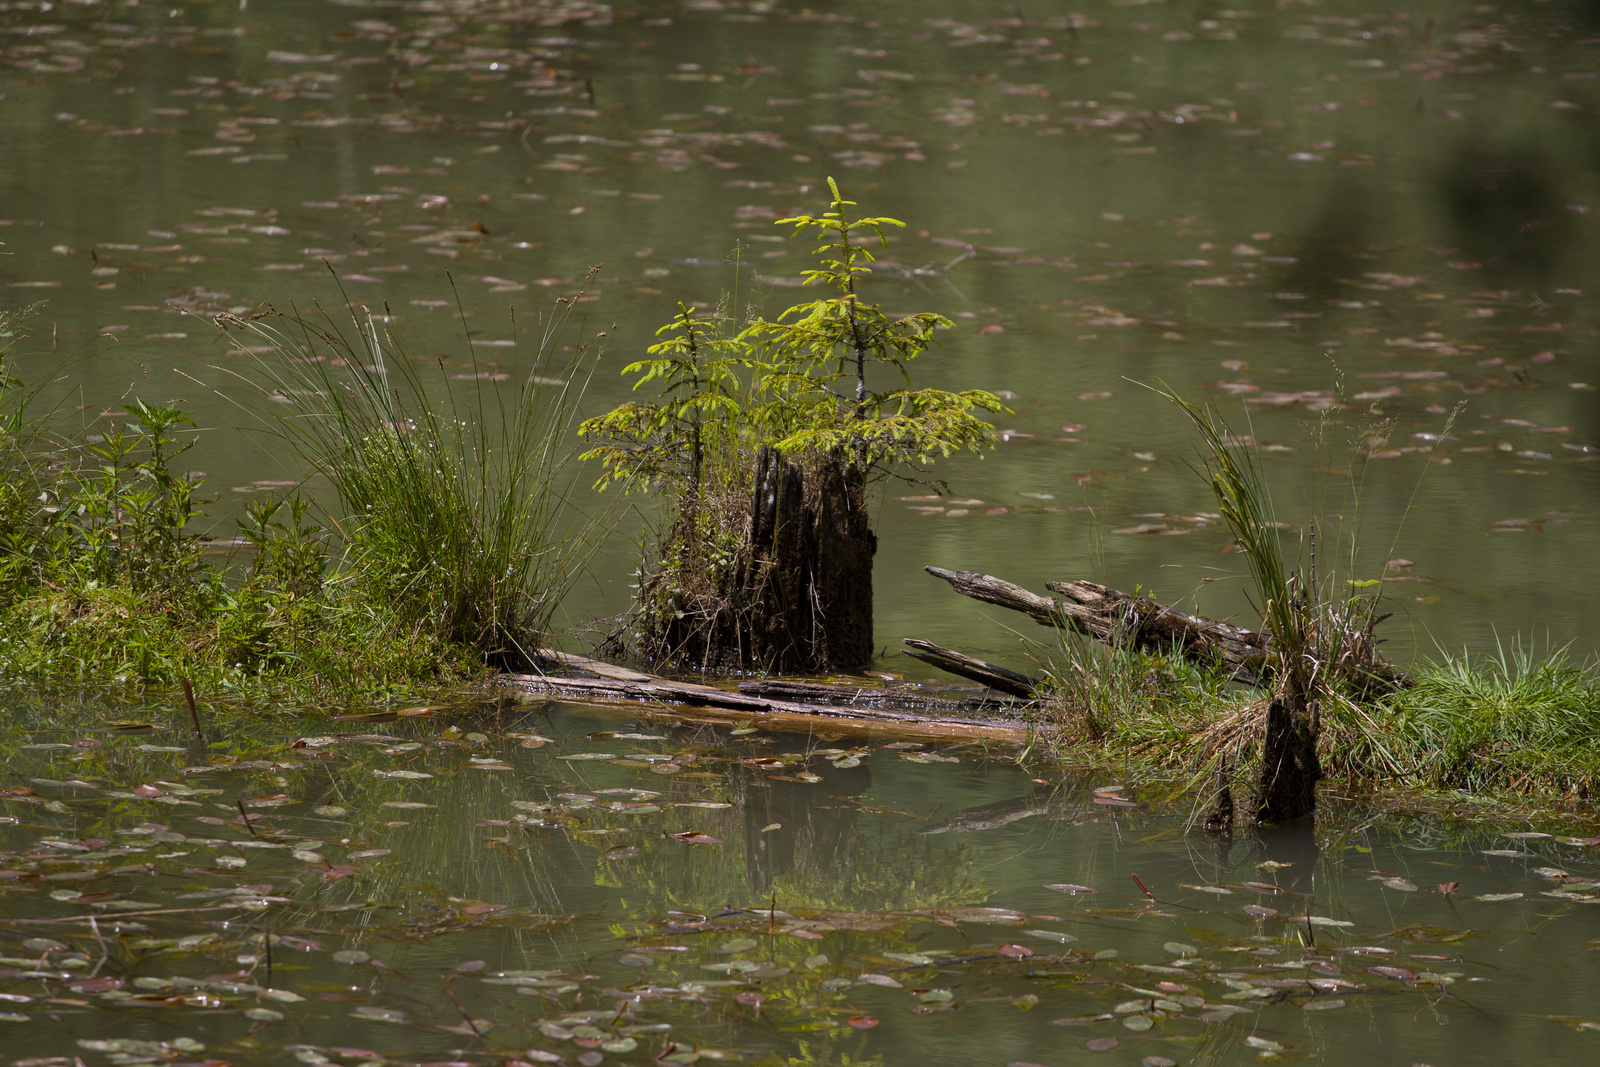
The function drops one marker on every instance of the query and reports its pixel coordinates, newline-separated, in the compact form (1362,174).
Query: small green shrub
(779,402)
(453,549)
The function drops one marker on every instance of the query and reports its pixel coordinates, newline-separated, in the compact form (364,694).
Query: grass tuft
(453,502)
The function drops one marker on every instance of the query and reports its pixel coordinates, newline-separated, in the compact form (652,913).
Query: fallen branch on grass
(1118,618)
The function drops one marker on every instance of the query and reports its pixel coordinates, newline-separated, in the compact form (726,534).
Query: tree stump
(1289,764)
(796,597)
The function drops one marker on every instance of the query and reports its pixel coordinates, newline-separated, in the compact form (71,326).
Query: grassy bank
(1514,723)
(445,552)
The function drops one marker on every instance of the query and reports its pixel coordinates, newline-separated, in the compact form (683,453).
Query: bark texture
(793,596)
(1289,764)
(1119,618)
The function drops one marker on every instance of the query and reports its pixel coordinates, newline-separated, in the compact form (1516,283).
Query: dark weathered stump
(1289,764)
(796,597)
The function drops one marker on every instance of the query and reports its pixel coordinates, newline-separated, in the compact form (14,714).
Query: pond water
(1269,202)
(553,884)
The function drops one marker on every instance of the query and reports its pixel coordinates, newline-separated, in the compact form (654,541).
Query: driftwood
(706,703)
(1117,618)
(959,663)
(861,696)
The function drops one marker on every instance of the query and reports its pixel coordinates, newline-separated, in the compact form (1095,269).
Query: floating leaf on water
(1052,935)
(589,755)
(1016,952)
(1399,884)
(408,775)
(889,983)
(1179,948)
(771,826)
(1101,1044)
(741,966)
(1138,1023)
(1158,1061)
(1323,920)
(1493,897)
(1404,974)
(701,804)
(1071,889)
(1264,1044)
(407,805)
(351,955)
(694,837)
(862,1022)
(936,996)
(1219,890)
(387,1015)
(1258,911)
(749,998)
(908,957)
(1507,852)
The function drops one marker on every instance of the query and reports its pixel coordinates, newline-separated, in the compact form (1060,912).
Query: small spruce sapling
(700,394)
(818,355)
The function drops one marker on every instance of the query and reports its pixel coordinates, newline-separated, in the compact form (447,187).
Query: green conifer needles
(798,382)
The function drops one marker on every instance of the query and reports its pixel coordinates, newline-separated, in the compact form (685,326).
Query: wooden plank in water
(710,704)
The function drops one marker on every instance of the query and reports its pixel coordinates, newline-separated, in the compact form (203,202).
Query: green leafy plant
(818,354)
(763,441)
(701,371)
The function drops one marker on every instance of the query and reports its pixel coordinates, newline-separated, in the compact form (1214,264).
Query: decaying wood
(1117,618)
(592,666)
(796,596)
(708,703)
(1289,764)
(970,667)
(876,697)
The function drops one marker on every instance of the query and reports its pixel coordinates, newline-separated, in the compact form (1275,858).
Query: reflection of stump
(1289,764)
(1219,817)
(796,597)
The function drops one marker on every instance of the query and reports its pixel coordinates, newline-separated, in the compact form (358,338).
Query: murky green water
(552,884)
(1261,202)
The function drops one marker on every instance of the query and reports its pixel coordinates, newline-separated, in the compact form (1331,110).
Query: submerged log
(859,696)
(959,663)
(694,702)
